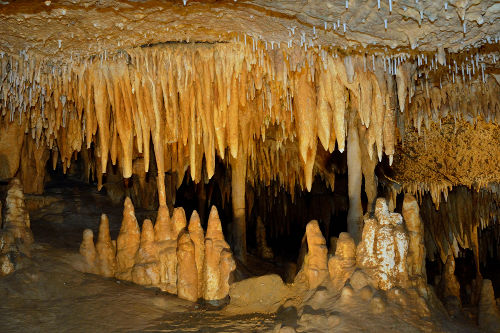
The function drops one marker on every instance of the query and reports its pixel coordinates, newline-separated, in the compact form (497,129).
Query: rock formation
(488,312)
(416,245)
(106,250)
(187,273)
(449,287)
(146,269)
(127,243)
(343,263)
(169,256)
(384,247)
(315,262)
(16,237)
(88,251)
(263,250)
(218,263)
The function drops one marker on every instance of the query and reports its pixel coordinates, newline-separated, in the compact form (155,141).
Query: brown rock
(449,286)
(315,263)
(167,247)
(197,236)
(146,270)
(264,251)
(342,264)
(187,274)
(178,222)
(488,312)
(214,277)
(106,251)
(17,220)
(6,266)
(127,243)
(87,250)
(416,248)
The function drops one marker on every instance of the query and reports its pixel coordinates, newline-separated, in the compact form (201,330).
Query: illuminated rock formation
(87,250)
(218,262)
(196,234)
(169,256)
(315,263)
(384,247)
(146,270)
(187,273)
(127,243)
(449,287)
(106,250)
(343,263)
(263,250)
(16,237)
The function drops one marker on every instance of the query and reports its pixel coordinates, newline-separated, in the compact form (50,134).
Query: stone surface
(264,294)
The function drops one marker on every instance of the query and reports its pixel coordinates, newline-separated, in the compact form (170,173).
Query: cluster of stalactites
(175,256)
(459,222)
(194,102)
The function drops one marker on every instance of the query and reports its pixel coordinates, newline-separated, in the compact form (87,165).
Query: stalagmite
(488,312)
(416,247)
(214,277)
(197,236)
(342,264)
(354,217)
(187,274)
(238,184)
(127,243)
(449,287)
(106,251)
(87,250)
(16,237)
(146,270)
(315,262)
(383,249)
(264,251)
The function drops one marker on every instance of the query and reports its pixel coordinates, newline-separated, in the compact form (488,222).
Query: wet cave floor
(47,294)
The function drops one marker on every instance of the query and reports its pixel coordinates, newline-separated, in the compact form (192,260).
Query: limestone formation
(197,236)
(88,251)
(263,250)
(16,237)
(146,270)
(218,262)
(488,312)
(127,242)
(449,287)
(383,250)
(187,273)
(106,250)
(343,263)
(416,245)
(315,262)
(169,256)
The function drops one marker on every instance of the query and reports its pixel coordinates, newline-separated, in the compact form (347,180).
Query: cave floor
(47,294)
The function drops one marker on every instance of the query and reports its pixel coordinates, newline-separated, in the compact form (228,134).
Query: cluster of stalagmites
(389,257)
(171,255)
(15,235)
